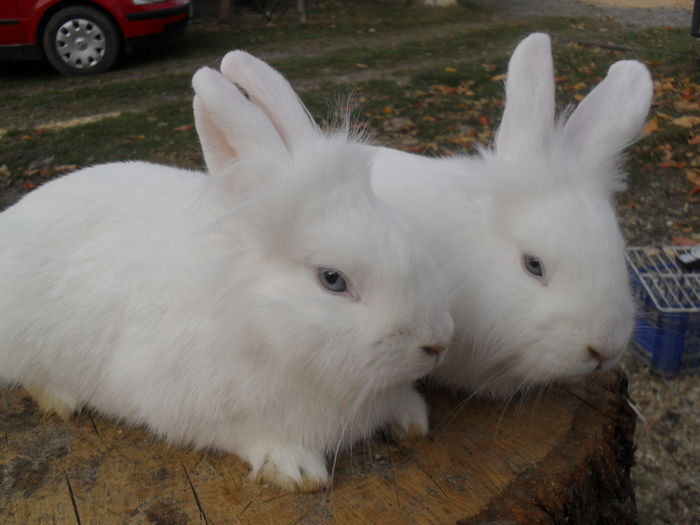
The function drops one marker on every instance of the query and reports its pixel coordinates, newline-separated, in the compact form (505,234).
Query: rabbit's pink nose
(597,355)
(434,350)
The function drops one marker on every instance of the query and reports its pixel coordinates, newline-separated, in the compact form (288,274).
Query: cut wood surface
(562,456)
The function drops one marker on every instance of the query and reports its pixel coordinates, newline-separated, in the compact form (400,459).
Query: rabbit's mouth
(501,368)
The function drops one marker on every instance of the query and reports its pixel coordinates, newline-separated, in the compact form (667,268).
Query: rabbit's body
(524,232)
(149,250)
(201,305)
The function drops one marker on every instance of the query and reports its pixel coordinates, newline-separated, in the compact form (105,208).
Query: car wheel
(80,40)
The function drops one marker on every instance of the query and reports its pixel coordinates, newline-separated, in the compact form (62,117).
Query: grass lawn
(427,80)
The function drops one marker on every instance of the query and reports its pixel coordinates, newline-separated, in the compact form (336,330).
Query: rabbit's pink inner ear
(273,94)
(293,126)
(217,149)
(611,116)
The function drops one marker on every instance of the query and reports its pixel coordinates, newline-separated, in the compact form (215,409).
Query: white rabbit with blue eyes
(273,308)
(525,233)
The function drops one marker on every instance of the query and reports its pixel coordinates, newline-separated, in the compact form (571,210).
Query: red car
(80,37)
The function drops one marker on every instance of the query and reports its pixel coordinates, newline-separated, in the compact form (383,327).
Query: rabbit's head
(341,293)
(546,294)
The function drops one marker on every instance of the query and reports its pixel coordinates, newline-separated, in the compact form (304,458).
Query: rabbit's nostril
(433,350)
(597,355)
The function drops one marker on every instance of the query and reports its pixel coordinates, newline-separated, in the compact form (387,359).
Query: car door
(9,23)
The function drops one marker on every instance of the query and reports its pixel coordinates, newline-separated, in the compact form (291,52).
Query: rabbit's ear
(528,117)
(272,93)
(228,125)
(611,116)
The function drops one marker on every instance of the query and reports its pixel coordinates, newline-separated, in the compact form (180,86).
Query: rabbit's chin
(508,386)
(523,370)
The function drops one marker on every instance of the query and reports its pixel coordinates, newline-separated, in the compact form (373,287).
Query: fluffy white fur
(190,302)
(546,190)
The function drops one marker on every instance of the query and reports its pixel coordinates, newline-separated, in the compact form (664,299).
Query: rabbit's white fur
(545,190)
(191,303)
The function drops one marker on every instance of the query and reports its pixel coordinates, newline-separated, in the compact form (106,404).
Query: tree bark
(562,457)
(224,10)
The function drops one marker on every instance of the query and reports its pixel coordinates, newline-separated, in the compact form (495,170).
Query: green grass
(433,85)
(77,100)
(162,134)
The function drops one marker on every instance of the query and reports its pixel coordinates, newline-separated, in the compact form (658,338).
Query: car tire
(81,40)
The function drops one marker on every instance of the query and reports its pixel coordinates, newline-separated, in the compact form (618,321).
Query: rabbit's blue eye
(332,280)
(533,265)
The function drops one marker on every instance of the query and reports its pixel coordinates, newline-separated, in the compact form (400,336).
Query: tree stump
(562,456)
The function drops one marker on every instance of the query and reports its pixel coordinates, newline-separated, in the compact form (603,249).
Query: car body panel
(22,21)
(10,26)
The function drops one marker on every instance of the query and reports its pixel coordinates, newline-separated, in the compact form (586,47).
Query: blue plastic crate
(667,334)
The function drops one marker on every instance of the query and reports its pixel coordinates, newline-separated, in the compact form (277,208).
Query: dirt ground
(645,4)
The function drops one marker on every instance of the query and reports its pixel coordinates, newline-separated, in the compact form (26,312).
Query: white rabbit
(525,233)
(276,309)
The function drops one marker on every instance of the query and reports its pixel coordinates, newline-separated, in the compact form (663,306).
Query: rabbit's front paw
(410,417)
(289,469)
(52,401)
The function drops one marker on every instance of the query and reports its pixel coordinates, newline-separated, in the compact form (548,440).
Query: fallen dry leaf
(443,89)
(399,124)
(694,140)
(184,127)
(682,241)
(651,127)
(672,164)
(461,140)
(632,204)
(693,176)
(451,69)
(681,105)
(65,167)
(687,121)
(499,78)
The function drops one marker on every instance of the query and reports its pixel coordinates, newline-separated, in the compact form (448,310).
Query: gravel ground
(634,17)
